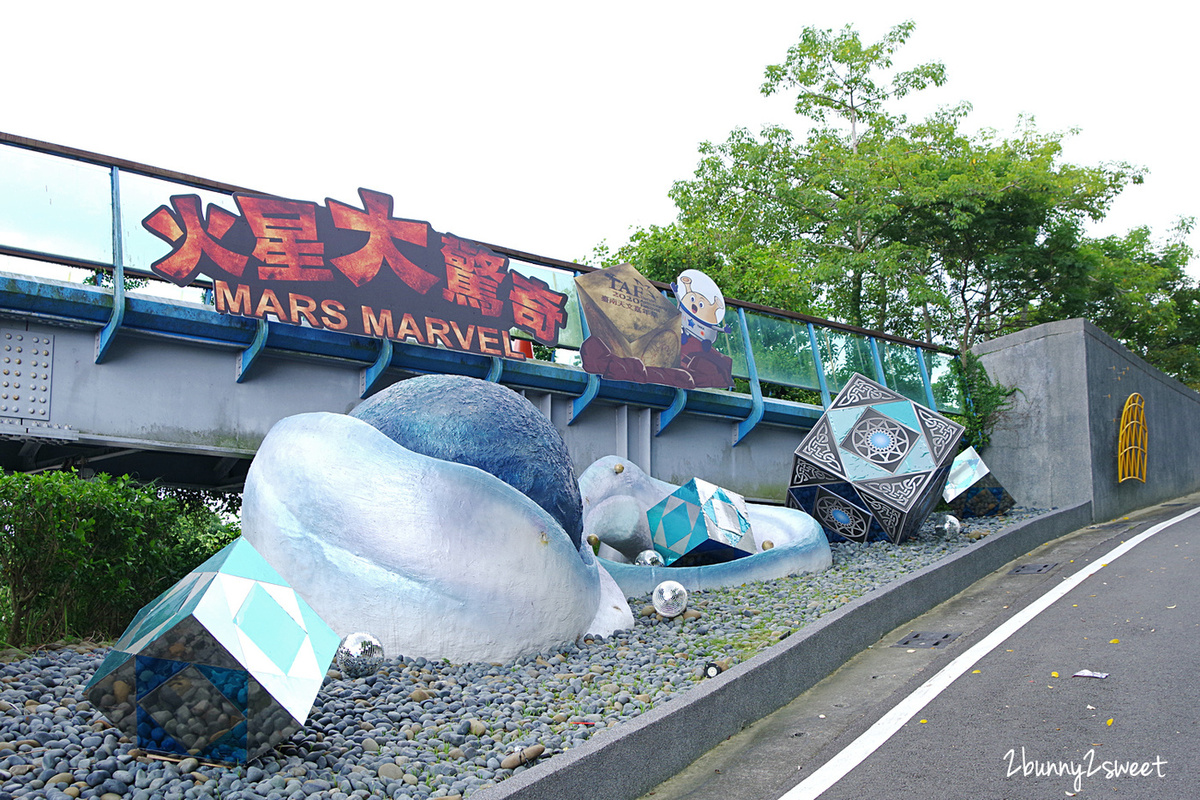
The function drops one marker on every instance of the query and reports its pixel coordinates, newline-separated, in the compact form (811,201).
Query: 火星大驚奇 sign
(355,270)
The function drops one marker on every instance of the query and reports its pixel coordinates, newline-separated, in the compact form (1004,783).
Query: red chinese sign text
(357,270)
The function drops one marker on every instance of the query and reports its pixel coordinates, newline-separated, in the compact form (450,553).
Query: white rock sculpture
(436,559)
(616,494)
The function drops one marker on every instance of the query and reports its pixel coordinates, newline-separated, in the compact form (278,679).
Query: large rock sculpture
(434,558)
(616,496)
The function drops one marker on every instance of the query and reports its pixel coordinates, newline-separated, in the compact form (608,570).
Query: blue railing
(81,213)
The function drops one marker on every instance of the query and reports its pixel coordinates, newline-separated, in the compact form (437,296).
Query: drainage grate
(927,639)
(1033,569)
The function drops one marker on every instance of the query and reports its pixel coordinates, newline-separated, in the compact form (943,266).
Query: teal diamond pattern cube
(223,666)
(700,523)
(874,464)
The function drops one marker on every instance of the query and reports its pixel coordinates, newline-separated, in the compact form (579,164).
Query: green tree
(1002,224)
(821,207)
(81,557)
(919,229)
(804,224)
(1138,291)
(836,78)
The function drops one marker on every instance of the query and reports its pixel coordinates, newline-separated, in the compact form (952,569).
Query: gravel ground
(420,729)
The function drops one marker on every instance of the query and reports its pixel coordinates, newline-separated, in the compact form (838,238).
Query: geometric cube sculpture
(971,491)
(700,523)
(874,464)
(966,468)
(222,666)
(984,498)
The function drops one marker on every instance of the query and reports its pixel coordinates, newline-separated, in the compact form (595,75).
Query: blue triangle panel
(654,515)
(243,561)
(919,459)
(688,492)
(676,525)
(842,420)
(901,412)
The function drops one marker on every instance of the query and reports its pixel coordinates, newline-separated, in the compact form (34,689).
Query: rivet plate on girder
(26,367)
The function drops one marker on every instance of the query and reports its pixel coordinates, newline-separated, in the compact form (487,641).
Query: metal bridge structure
(156,383)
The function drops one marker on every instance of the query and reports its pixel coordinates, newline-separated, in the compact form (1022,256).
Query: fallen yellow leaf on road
(1109,722)
(1115,641)
(1053,674)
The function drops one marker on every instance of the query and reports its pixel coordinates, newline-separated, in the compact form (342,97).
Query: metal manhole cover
(1033,569)
(927,639)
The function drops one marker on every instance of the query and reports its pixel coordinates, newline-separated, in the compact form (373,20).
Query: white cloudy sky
(549,126)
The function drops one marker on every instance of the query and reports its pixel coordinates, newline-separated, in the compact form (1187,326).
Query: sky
(550,127)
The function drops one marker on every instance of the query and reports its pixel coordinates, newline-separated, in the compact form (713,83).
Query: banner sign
(357,270)
(638,335)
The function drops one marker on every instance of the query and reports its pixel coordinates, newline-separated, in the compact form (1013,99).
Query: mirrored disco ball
(950,525)
(670,598)
(649,558)
(359,655)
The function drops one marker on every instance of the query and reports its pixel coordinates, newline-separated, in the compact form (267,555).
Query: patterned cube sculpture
(700,523)
(874,465)
(223,666)
(966,468)
(972,491)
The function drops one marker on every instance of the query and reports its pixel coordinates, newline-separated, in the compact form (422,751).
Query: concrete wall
(1057,445)
(694,445)
(158,393)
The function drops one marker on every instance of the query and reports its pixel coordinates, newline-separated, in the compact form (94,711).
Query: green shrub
(985,401)
(81,557)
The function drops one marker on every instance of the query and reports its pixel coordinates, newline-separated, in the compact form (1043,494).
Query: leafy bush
(81,557)
(986,401)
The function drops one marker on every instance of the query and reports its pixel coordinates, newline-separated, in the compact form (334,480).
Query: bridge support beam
(106,335)
(370,376)
(247,357)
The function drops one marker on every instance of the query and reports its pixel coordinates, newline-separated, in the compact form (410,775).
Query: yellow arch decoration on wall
(1131,444)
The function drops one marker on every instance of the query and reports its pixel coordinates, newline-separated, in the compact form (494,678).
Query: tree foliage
(921,228)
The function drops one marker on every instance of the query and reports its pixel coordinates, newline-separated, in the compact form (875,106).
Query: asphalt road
(1011,722)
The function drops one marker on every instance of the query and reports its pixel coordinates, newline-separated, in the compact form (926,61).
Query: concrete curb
(633,758)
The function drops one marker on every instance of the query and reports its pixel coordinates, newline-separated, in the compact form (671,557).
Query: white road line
(873,738)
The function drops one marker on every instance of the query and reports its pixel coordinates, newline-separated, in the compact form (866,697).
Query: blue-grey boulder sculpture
(485,425)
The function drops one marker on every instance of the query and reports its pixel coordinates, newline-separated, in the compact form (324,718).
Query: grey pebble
(370,738)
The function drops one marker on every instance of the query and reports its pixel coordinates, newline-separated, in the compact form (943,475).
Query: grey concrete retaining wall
(1057,445)
(633,758)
